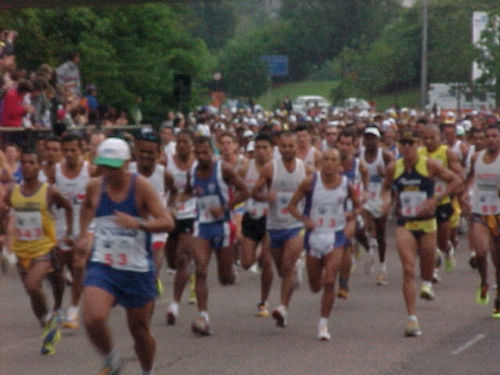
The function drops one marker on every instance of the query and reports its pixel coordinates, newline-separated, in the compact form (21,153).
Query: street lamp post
(423,71)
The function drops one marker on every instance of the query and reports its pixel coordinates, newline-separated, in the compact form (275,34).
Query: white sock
(372,242)
(174,307)
(412,317)
(383,267)
(323,322)
(204,315)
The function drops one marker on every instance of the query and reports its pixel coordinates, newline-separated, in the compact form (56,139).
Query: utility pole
(423,71)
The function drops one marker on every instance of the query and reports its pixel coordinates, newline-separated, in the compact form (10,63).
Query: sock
(174,307)
(383,267)
(372,241)
(323,322)
(412,317)
(204,315)
(112,358)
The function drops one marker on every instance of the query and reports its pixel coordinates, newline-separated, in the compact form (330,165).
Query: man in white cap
(125,209)
(376,160)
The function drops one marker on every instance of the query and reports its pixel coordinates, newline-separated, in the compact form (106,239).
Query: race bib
(440,187)
(205,205)
(256,209)
(282,201)
(374,189)
(28,225)
(488,202)
(186,209)
(120,248)
(411,202)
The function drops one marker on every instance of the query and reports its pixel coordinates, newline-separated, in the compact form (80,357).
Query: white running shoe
(323,334)
(201,327)
(280,315)
(71,318)
(172,312)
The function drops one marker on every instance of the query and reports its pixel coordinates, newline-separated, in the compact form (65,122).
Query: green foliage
(127,51)
(243,71)
(215,21)
(489,55)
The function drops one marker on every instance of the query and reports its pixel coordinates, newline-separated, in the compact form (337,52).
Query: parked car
(303,103)
(351,103)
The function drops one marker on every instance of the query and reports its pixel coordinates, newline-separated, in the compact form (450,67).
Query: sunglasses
(407,142)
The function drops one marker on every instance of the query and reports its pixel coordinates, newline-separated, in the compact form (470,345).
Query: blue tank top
(210,193)
(117,247)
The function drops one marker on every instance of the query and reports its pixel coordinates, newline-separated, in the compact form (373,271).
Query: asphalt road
(458,337)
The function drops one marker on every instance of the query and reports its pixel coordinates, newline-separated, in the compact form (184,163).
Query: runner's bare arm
(452,180)
(261,191)
(57,198)
(300,193)
(232,179)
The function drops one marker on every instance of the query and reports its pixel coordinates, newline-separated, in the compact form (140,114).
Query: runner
(356,172)
(376,160)
(125,209)
(254,223)
(412,177)
(305,150)
(449,160)
(277,182)
(180,244)
(147,154)
(326,193)
(71,177)
(34,242)
(211,182)
(484,176)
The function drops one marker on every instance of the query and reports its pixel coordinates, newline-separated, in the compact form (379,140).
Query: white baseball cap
(372,130)
(112,152)
(248,133)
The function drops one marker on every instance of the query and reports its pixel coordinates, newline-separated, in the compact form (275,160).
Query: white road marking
(469,344)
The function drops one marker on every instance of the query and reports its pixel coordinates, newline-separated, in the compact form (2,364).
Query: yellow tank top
(35,230)
(440,155)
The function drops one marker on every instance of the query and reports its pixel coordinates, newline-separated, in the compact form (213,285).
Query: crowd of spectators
(49,97)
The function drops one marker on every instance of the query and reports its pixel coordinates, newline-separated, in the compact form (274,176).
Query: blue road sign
(277,65)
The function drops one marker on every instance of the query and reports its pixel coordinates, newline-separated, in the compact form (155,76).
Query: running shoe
(71,318)
(192,291)
(436,279)
(496,309)
(343,292)
(51,335)
(381,277)
(111,368)
(426,292)
(323,334)
(254,268)
(482,295)
(262,310)
(412,328)
(370,260)
(159,287)
(201,327)
(450,261)
(171,315)
(280,315)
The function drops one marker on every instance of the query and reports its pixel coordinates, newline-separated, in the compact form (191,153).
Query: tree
(243,72)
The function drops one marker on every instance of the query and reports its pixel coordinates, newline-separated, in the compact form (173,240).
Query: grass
(272,98)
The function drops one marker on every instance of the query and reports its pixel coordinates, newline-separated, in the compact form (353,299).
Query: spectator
(122,119)
(13,109)
(68,74)
(92,103)
(136,111)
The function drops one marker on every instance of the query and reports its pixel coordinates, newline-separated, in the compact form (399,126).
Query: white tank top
(254,208)
(187,209)
(309,159)
(156,179)
(73,189)
(284,184)
(486,182)
(374,178)
(326,207)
